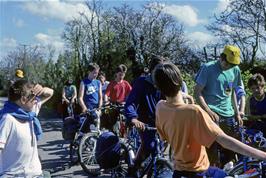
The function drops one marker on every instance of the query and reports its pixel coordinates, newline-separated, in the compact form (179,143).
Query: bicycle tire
(164,169)
(121,171)
(253,169)
(86,153)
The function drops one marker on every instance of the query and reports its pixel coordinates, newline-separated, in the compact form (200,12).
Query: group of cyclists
(157,98)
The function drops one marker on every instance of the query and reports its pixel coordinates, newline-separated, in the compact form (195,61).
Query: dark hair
(18,89)
(92,67)
(167,78)
(256,79)
(101,73)
(121,68)
(154,61)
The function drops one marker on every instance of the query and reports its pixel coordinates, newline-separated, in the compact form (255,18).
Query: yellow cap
(19,73)
(232,54)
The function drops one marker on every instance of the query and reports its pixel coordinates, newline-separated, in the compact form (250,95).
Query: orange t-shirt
(188,129)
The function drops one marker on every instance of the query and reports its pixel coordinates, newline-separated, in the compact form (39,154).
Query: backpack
(70,127)
(108,150)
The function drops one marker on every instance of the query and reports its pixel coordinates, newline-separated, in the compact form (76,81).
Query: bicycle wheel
(252,170)
(121,170)
(162,169)
(86,153)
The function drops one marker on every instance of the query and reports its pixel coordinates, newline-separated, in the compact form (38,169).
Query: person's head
(69,82)
(101,77)
(19,73)
(21,93)
(230,57)
(256,84)
(93,70)
(167,79)
(120,72)
(154,61)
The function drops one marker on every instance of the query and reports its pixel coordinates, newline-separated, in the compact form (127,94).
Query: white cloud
(200,39)
(56,9)
(49,40)
(18,22)
(8,43)
(221,6)
(185,14)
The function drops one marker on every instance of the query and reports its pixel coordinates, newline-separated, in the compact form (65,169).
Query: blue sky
(42,22)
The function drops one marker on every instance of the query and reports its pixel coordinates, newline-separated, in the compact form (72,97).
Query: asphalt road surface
(53,150)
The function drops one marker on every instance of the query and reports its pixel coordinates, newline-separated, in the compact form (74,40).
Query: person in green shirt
(215,93)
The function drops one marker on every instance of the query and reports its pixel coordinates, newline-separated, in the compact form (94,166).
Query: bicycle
(155,165)
(111,113)
(249,167)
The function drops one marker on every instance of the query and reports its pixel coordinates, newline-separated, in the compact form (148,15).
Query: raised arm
(44,93)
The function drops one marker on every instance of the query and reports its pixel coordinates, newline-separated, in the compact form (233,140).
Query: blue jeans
(210,172)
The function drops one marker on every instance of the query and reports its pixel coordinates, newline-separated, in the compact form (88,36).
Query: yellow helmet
(232,54)
(19,73)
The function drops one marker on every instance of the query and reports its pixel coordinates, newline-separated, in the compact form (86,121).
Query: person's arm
(74,94)
(237,114)
(64,96)
(188,99)
(100,95)
(203,104)
(44,93)
(232,144)
(80,97)
(132,103)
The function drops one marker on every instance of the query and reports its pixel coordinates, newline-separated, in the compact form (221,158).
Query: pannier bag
(108,150)
(70,127)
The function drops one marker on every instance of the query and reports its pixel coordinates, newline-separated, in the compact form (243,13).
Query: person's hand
(84,110)
(214,116)
(138,124)
(239,120)
(38,90)
(73,100)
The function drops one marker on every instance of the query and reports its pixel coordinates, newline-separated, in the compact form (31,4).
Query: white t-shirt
(19,154)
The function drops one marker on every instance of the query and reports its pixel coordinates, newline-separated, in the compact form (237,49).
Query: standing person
(90,92)
(119,89)
(104,83)
(215,84)
(20,129)
(69,97)
(140,109)
(256,103)
(189,129)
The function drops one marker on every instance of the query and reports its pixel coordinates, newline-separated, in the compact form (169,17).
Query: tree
(243,23)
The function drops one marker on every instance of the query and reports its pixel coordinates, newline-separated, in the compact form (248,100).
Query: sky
(39,22)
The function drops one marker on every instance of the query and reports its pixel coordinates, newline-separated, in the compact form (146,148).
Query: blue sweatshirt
(142,101)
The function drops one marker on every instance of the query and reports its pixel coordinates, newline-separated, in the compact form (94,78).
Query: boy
(20,129)
(189,129)
(256,103)
(119,89)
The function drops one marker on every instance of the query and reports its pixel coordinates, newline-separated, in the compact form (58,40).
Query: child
(20,129)
(256,103)
(189,129)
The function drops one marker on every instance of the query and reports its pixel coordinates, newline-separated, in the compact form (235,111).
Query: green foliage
(245,77)
(189,79)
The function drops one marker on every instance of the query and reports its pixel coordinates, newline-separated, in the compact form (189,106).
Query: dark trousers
(210,172)
(219,156)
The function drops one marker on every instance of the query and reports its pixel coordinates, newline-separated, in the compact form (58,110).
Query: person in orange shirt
(189,129)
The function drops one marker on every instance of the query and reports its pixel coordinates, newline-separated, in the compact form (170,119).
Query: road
(53,150)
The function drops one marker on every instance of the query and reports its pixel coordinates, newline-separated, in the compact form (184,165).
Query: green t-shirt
(218,86)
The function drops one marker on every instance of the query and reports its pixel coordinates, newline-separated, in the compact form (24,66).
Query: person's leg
(230,127)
